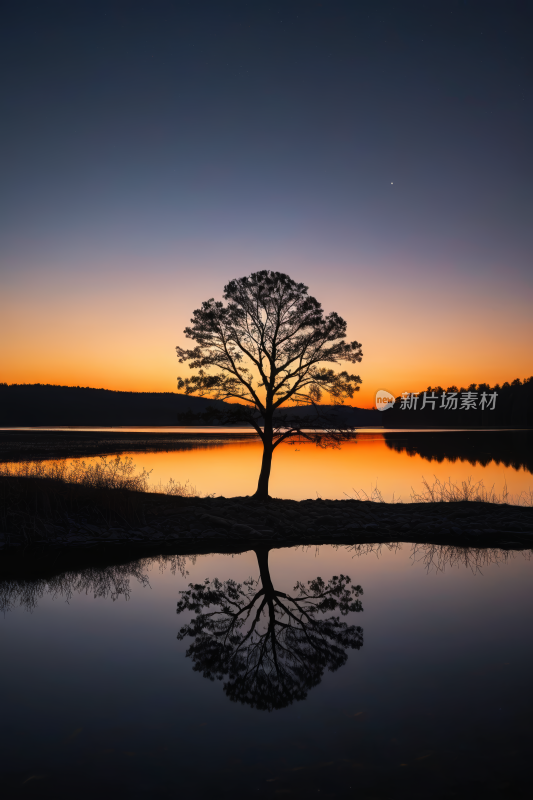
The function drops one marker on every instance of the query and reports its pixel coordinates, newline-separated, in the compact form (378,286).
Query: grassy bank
(37,497)
(79,505)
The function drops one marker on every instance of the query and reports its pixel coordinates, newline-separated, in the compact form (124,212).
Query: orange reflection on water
(302,470)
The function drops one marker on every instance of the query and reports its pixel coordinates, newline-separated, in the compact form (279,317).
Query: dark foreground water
(421,689)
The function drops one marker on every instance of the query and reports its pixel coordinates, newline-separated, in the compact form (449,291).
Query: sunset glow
(397,195)
(266,295)
(102,325)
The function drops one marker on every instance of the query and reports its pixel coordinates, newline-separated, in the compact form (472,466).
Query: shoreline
(39,564)
(166,521)
(47,445)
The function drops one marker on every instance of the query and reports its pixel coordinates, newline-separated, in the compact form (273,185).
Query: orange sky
(147,166)
(113,322)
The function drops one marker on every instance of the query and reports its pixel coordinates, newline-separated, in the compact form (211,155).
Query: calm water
(394,462)
(426,691)
(422,689)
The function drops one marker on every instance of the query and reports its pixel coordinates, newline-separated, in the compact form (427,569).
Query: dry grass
(469,491)
(116,473)
(448,492)
(34,494)
(37,496)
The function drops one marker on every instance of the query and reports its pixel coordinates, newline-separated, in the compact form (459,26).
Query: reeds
(35,496)
(467,491)
(117,473)
(449,492)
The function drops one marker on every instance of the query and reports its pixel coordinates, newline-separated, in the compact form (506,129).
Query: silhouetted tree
(265,346)
(273,647)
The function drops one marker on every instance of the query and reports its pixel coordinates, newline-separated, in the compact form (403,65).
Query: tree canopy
(271,344)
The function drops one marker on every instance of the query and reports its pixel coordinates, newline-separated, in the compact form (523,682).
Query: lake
(425,691)
(393,462)
(409,680)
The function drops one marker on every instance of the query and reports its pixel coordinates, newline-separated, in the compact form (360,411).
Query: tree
(265,347)
(272,647)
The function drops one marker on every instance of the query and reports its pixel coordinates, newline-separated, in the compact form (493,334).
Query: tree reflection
(510,448)
(270,646)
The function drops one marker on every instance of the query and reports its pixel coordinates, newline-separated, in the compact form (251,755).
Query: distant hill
(39,404)
(42,404)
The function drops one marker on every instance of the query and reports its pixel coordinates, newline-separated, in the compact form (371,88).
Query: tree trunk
(266,464)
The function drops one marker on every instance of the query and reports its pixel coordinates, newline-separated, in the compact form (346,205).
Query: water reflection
(268,647)
(100,693)
(510,448)
(437,558)
(112,581)
(394,461)
(271,647)
(27,584)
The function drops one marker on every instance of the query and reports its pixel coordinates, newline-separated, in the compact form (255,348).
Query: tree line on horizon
(26,404)
(513,407)
(479,387)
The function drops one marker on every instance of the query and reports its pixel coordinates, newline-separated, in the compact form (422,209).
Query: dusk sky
(380,152)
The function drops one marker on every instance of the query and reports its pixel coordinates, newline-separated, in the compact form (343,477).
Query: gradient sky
(378,151)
